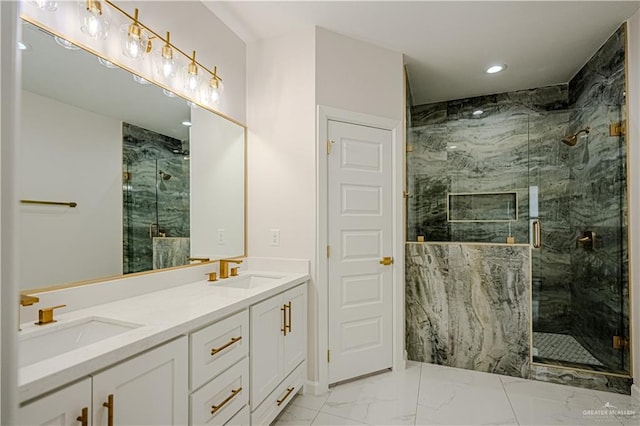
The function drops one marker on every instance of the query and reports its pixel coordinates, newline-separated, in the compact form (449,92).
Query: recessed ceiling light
(478,112)
(186,123)
(23,46)
(495,68)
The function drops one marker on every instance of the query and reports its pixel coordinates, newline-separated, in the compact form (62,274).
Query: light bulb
(134,40)
(94,23)
(214,90)
(191,79)
(165,64)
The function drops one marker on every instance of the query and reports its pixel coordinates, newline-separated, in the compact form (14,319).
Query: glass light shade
(190,78)
(107,64)
(94,22)
(165,64)
(49,6)
(214,91)
(65,43)
(134,43)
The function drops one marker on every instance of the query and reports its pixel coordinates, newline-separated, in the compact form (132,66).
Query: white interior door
(360,236)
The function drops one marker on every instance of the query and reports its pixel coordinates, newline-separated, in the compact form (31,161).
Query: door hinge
(620,342)
(328,251)
(409,148)
(329,143)
(328,356)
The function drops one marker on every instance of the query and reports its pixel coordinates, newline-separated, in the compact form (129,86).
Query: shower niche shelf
(482,207)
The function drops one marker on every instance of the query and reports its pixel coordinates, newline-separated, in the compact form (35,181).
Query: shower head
(571,140)
(165,176)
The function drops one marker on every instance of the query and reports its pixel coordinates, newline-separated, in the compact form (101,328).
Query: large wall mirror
(149,181)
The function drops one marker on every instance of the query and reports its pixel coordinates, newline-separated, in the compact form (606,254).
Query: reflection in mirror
(122,150)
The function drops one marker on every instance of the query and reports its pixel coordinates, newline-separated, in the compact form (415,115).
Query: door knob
(386,261)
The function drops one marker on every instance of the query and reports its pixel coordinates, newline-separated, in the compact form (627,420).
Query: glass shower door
(579,274)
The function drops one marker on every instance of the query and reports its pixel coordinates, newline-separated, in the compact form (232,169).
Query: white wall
(281,162)
(57,162)
(633,134)
(357,76)
(287,78)
(192,27)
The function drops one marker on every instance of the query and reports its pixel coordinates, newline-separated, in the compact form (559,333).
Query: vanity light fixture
(134,43)
(137,39)
(94,23)
(65,43)
(493,69)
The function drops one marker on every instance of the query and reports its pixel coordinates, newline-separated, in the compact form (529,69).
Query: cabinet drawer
(217,347)
(221,398)
(242,418)
(279,398)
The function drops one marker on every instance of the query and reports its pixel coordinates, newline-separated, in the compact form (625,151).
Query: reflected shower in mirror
(122,150)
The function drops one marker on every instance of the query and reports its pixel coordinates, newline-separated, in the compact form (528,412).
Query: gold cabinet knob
(386,261)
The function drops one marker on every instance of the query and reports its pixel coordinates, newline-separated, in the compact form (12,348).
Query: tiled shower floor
(562,347)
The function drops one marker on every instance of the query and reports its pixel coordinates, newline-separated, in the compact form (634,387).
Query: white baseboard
(635,392)
(314,388)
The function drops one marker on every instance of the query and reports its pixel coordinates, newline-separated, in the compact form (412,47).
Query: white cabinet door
(61,408)
(150,389)
(267,323)
(295,342)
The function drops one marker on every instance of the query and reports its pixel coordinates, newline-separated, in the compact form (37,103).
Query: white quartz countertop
(162,316)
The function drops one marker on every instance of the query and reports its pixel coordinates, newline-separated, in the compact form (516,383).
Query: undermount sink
(249,281)
(60,338)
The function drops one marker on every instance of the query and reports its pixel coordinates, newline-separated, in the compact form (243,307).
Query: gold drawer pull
(84,418)
(286,395)
(234,392)
(226,345)
(284,319)
(109,405)
(288,326)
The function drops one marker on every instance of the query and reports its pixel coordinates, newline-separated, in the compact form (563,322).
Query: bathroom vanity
(226,352)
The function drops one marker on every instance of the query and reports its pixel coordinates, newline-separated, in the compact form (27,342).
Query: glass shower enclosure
(518,177)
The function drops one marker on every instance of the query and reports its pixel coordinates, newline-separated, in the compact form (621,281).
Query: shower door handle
(537,234)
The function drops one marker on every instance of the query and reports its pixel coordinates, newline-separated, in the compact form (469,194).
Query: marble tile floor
(562,347)
(428,394)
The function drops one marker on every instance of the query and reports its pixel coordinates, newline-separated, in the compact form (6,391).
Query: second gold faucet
(224,266)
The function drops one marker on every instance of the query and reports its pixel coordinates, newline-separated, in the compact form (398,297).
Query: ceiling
(448,45)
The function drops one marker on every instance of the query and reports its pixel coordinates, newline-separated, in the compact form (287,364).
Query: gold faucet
(26,300)
(45,315)
(224,266)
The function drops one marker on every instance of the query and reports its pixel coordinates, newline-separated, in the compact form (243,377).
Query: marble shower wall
(466,306)
(152,204)
(599,284)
